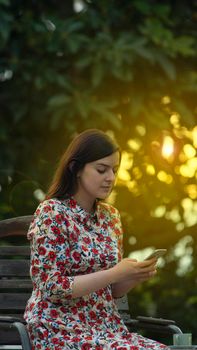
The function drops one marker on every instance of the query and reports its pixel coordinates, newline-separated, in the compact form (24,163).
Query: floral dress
(67,241)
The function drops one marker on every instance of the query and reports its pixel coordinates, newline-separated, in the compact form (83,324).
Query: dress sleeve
(119,233)
(50,257)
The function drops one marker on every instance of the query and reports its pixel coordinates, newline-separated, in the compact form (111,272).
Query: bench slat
(14,251)
(14,268)
(15,284)
(13,301)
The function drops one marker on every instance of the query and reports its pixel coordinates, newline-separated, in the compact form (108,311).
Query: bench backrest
(15,283)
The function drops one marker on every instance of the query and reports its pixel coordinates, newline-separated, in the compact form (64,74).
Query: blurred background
(129,68)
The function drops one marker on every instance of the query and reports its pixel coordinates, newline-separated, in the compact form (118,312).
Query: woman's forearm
(120,289)
(86,284)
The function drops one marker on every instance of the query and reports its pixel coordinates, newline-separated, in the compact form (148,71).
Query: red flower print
(44,305)
(100,238)
(47,222)
(34,270)
(44,276)
(95,251)
(87,240)
(76,256)
(73,237)
(46,266)
(82,317)
(100,306)
(66,284)
(73,310)
(47,208)
(51,255)
(63,309)
(84,248)
(55,340)
(41,250)
(91,262)
(37,212)
(67,252)
(53,313)
(55,230)
(108,297)
(92,315)
(60,265)
(86,346)
(60,239)
(40,240)
(59,218)
(102,215)
(73,203)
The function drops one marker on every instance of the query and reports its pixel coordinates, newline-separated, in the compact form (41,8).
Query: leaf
(58,101)
(97,74)
(184,111)
(5,2)
(167,65)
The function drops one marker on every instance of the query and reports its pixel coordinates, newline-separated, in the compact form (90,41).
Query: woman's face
(97,178)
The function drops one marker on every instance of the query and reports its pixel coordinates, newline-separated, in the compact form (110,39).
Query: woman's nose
(110,175)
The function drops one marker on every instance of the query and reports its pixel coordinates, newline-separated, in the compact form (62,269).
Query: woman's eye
(101,171)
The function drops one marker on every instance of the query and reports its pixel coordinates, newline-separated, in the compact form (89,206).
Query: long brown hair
(86,147)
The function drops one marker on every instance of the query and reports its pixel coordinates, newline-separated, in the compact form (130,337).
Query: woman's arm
(123,276)
(120,289)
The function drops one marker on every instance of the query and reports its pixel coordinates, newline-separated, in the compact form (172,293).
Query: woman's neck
(84,202)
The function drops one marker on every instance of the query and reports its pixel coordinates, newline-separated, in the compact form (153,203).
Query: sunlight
(126,164)
(168,147)
(134,144)
(164,177)
(150,169)
(189,151)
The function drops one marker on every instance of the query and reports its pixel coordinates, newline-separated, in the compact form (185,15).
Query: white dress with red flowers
(67,241)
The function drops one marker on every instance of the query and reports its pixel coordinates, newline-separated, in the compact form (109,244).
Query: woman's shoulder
(108,208)
(48,205)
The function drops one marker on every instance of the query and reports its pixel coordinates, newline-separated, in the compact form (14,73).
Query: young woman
(77,267)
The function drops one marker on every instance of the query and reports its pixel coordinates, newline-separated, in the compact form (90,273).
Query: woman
(77,267)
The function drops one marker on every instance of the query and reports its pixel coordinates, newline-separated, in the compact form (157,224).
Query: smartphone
(156,254)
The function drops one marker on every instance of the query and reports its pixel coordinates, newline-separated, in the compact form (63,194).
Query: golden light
(191,190)
(194,136)
(186,171)
(150,169)
(174,120)
(165,100)
(164,177)
(168,147)
(134,144)
(126,164)
(137,173)
(189,151)
(140,128)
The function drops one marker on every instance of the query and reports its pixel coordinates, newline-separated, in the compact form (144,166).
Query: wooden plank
(14,267)
(8,336)
(15,284)
(14,251)
(13,301)
(15,226)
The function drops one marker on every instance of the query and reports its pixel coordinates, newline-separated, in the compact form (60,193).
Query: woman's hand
(133,270)
(129,273)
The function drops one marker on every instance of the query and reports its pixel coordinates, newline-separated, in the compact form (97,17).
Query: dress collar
(82,214)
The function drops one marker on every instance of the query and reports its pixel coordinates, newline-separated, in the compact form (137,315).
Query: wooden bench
(15,289)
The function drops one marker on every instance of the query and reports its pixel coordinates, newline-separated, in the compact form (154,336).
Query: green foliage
(110,66)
